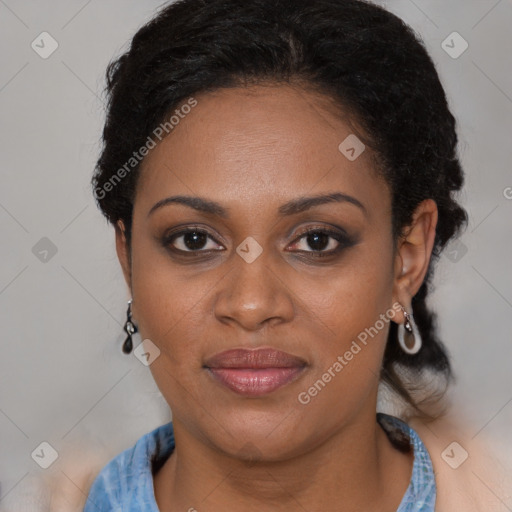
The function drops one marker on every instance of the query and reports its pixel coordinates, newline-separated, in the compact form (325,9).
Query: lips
(254,359)
(254,372)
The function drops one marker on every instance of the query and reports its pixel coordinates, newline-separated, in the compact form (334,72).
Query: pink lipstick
(254,372)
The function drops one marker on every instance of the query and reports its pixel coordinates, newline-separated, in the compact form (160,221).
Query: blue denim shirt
(125,484)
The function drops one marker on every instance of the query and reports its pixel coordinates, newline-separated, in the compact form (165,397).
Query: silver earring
(130,328)
(408,334)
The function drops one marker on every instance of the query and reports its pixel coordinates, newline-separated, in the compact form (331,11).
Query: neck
(366,473)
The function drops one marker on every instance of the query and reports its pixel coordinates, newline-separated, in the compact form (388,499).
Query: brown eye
(318,240)
(190,240)
(321,242)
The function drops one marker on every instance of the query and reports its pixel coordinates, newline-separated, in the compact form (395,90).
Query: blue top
(125,484)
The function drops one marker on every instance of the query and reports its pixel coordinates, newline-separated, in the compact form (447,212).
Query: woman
(281,178)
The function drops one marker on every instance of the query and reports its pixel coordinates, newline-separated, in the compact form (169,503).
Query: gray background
(63,378)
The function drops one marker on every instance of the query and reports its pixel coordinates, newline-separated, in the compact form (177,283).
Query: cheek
(172,304)
(337,312)
(169,308)
(355,303)
(169,314)
(353,295)
(357,308)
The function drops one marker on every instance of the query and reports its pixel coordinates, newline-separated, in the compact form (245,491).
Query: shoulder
(469,477)
(86,478)
(128,476)
(421,492)
(107,488)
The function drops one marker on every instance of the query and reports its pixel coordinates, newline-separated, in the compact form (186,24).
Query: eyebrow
(290,208)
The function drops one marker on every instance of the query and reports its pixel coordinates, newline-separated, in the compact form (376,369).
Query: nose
(254,294)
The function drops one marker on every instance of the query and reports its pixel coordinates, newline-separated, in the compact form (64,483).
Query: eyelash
(343,240)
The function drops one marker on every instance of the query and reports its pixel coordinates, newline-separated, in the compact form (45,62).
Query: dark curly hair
(364,58)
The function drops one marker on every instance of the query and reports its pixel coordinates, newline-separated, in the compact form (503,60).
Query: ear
(414,249)
(123,252)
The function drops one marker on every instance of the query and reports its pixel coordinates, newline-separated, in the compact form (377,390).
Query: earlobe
(414,251)
(122,251)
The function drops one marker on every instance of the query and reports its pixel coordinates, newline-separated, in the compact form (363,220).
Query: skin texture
(252,150)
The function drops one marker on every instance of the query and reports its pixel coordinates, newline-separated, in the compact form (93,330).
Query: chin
(254,435)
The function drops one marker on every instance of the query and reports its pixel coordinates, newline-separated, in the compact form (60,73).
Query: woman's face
(251,278)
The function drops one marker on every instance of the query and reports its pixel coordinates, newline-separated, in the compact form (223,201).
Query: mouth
(255,372)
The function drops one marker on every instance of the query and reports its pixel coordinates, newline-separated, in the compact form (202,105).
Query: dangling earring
(130,328)
(408,334)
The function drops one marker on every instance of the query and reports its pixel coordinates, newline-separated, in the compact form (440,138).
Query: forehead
(259,145)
